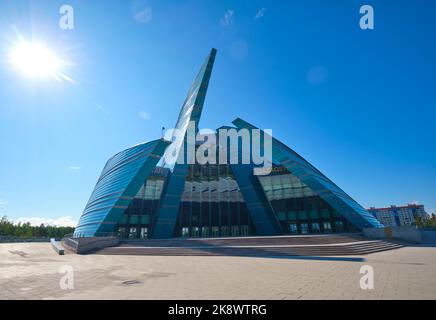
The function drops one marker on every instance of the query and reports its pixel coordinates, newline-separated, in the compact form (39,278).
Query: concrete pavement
(35,271)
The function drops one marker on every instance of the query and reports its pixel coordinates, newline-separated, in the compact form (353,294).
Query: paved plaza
(33,271)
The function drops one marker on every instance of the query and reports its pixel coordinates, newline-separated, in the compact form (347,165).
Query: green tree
(25,230)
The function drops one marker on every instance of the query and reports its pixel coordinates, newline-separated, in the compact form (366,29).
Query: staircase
(311,245)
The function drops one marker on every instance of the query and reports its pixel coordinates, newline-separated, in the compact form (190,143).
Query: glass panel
(122,232)
(316,228)
(195,232)
(327,227)
(123,219)
(225,231)
(284,186)
(293,228)
(302,215)
(185,232)
(244,231)
(134,219)
(215,232)
(292,215)
(282,216)
(339,226)
(325,213)
(304,228)
(313,214)
(144,233)
(205,232)
(132,233)
(145,219)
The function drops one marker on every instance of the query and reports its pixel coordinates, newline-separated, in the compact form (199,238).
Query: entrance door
(304,228)
(144,233)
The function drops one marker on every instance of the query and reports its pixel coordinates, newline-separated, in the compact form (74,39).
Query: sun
(35,59)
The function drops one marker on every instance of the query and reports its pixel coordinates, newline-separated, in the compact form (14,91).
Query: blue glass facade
(318,183)
(119,182)
(140,195)
(191,111)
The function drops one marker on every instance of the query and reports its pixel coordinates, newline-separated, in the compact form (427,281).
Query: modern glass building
(395,216)
(140,195)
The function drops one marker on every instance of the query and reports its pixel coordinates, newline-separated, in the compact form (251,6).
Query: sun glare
(37,60)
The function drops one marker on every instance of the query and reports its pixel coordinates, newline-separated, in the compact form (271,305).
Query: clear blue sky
(359,105)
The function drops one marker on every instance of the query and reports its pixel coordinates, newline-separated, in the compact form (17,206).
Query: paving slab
(35,271)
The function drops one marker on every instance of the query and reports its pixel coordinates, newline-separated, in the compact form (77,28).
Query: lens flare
(36,60)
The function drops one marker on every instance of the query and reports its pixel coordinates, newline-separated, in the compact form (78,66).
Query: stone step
(282,240)
(357,248)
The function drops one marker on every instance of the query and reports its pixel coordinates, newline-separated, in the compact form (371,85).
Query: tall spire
(193,104)
(191,111)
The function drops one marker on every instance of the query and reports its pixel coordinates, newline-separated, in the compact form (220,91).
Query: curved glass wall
(212,204)
(118,183)
(138,218)
(298,208)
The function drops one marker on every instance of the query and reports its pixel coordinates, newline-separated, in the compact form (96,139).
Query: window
(292,215)
(313,214)
(225,231)
(195,232)
(284,186)
(339,226)
(205,232)
(185,232)
(122,232)
(215,232)
(235,231)
(282,216)
(327,227)
(302,215)
(304,228)
(123,219)
(336,214)
(134,219)
(145,219)
(195,215)
(293,228)
(325,213)
(144,233)
(132,233)
(316,228)
(244,231)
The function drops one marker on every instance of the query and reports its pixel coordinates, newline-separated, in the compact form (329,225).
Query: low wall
(428,236)
(87,245)
(57,247)
(406,233)
(409,234)
(11,239)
